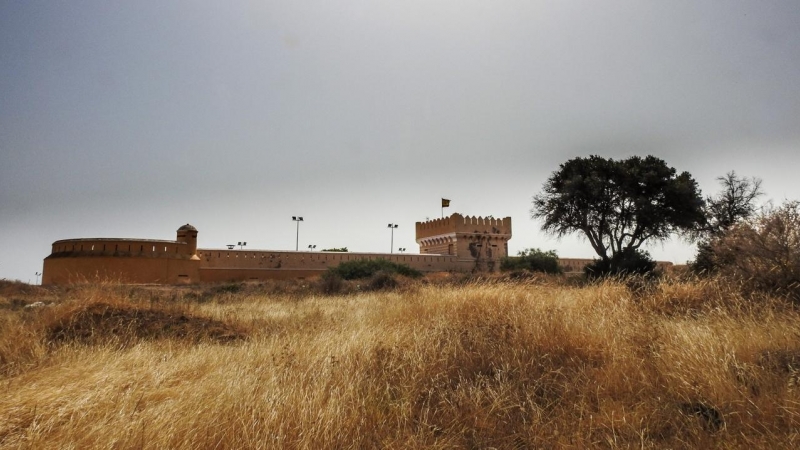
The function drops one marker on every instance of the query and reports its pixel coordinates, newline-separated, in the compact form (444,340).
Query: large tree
(618,204)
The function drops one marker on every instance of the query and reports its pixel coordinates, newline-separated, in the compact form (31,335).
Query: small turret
(188,234)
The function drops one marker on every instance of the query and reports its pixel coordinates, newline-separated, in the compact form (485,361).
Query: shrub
(625,263)
(763,254)
(227,288)
(382,280)
(363,268)
(533,260)
(331,283)
(703,263)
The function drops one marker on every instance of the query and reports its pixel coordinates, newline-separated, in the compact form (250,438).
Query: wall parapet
(149,248)
(457,223)
(276,259)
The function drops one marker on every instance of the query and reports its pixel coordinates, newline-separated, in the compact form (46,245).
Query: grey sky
(129,119)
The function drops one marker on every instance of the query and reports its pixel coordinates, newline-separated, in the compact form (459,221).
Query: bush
(364,268)
(704,263)
(227,288)
(533,260)
(331,283)
(382,280)
(763,254)
(625,263)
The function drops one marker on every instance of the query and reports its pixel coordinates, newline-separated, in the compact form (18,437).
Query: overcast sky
(129,119)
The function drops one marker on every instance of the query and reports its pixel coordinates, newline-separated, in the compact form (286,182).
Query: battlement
(153,248)
(457,223)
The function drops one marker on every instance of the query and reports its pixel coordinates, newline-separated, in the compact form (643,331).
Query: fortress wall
(442,248)
(89,265)
(574,265)
(267,258)
(92,269)
(219,275)
(119,260)
(168,262)
(240,265)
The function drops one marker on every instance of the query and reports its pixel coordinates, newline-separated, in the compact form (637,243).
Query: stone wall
(576,265)
(120,260)
(226,265)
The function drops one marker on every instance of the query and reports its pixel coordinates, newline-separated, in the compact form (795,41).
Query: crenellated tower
(482,239)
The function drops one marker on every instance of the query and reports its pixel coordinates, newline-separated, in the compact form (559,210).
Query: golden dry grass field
(434,364)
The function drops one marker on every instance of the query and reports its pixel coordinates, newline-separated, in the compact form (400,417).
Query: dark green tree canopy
(335,249)
(532,259)
(618,205)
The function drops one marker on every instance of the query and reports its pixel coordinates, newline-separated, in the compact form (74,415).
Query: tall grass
(467,365)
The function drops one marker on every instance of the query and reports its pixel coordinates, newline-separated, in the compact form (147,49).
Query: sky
(130,119)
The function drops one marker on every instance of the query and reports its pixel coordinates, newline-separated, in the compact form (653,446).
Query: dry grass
(441,365)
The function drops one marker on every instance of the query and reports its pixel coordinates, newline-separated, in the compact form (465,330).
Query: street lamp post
(37,277)
(230,246)
(401,249)
(391,246)
(242,244)
(297,219)
(311,248)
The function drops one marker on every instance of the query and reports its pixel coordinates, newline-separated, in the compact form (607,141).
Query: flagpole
(445,204)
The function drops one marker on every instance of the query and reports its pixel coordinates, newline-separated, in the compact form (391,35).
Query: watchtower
(188,234)
(482,239)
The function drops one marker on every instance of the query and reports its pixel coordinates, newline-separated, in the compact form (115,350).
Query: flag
(445,203)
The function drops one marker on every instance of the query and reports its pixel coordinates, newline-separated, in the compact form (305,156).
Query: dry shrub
(331,283)
(125,324)
(20,342)
(20,337)
(763,254)
(382,281)
(11,289)
(234,291)
(695,296)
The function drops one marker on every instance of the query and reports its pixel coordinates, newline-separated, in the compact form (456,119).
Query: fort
(456,243)
(451,244)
